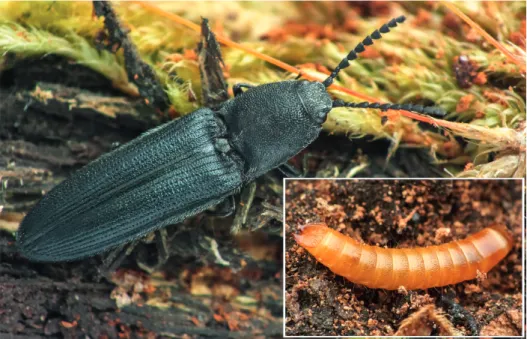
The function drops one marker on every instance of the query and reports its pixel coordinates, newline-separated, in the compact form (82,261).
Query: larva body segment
(413,268)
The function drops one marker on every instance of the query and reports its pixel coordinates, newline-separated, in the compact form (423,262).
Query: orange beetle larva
(413,268)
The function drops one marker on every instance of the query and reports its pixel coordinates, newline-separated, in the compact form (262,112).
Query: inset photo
(381,257)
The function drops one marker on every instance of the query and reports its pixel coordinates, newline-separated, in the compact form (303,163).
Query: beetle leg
(225,209)
(270,213)
(162,252)
(162,246)
(237,89)
(115,258)
(246,201)
(290,171)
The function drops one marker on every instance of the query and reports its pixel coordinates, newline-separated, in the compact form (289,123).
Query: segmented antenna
(429,110)
(360,47)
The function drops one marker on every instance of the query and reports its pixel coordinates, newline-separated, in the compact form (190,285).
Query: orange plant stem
(486,35)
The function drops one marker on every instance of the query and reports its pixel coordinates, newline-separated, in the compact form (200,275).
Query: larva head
(494,244)
(311,235)
(505,233)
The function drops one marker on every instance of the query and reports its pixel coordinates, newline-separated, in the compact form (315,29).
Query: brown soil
(398,214)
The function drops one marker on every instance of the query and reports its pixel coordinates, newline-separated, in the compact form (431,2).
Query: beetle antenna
(429,110)
(360,47)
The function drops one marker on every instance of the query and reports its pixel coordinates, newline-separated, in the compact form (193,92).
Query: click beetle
(185,166)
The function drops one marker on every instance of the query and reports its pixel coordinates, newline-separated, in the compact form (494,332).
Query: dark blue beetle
(183,167)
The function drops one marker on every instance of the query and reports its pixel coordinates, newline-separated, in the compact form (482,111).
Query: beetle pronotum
(412,268)
(183,167)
